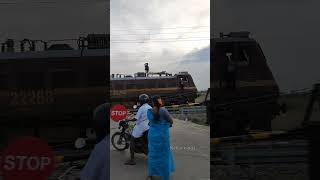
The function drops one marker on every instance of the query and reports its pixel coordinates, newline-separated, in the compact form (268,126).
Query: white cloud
(185,23)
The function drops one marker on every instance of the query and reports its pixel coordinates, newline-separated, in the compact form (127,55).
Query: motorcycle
(121,140)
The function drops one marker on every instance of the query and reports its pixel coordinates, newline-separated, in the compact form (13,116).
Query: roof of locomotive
(149,77)
(140,78)
(91,45)
(242,36)
(232,39)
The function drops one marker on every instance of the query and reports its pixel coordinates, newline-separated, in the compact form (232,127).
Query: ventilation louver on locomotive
(91,41)
(60,47)
(98,41)
(140,74)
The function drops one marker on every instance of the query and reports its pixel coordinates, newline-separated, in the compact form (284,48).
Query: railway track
(260,157)
(69,163)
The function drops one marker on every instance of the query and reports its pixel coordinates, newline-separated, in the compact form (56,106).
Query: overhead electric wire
(168,39)
(113,34)
(146,39)
(162,41)
(157,28)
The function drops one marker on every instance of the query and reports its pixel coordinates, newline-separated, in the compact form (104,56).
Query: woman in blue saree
(160,159)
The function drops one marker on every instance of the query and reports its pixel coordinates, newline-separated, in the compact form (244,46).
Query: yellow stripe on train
(261,136)
(215,141)
(257,136)
(58,159)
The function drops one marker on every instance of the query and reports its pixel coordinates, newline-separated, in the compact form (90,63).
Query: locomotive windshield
(238,53)
(240,73)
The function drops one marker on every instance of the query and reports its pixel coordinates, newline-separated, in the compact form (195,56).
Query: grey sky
(288,32)
(138,29)
(52,19)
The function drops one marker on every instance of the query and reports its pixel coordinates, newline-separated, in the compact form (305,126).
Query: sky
(287,30)
(52,19)
(171,36)
(185,24)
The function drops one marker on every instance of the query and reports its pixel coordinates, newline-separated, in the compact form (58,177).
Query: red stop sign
(27,158)
(118,113)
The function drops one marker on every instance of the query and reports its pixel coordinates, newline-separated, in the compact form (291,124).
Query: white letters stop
(25,163)
(119,113)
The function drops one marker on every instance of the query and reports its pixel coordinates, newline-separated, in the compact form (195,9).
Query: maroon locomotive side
(175,89)
(244,91)
(54,87)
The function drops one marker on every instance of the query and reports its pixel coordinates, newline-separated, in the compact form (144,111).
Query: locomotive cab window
(237,54)
(190,81)
(183,79)
(243,59)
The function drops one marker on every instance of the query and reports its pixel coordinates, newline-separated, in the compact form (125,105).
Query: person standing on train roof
(142,125)
(146,68)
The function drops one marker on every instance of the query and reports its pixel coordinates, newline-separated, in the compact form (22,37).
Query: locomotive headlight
(80,143)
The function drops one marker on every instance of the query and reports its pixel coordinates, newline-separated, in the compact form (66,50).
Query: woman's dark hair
(101,121)
(156,108)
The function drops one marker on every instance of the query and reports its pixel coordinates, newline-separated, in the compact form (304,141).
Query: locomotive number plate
(31,97)
(118,92)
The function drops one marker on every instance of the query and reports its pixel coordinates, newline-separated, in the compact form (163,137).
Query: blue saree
(160,159)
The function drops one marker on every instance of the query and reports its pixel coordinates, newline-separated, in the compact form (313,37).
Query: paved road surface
(191,149)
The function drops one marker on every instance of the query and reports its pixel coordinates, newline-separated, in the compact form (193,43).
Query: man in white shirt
(142,125)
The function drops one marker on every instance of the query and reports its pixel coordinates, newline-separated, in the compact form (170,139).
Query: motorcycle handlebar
(128,120)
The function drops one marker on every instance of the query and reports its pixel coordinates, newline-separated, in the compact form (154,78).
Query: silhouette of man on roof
(146,67)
